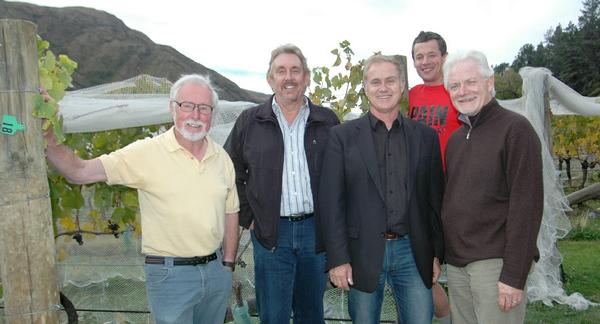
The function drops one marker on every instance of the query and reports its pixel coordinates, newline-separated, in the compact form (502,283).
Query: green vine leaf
(340,87)
(130,199)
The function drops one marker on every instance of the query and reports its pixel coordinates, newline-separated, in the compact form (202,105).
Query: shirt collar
(277,108)
(374,121)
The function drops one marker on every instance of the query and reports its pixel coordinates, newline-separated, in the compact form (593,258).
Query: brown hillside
(106,50)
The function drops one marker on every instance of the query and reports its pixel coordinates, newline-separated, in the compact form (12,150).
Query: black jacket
(255,146)
(352,210)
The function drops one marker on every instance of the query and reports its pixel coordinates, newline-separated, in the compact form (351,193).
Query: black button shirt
(390,147)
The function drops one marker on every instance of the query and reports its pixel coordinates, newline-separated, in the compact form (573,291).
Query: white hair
(471,55)
(198,80)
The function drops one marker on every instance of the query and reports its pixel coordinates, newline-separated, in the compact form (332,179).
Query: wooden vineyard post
(27,253)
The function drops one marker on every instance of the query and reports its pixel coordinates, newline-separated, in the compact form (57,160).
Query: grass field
(581,264)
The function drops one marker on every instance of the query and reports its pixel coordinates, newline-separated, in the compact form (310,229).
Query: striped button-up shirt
(296,194)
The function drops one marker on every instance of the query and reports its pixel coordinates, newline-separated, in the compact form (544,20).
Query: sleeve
(436,192)
(232,203)
(235,148)
(124,166)
(526,203)
(332,203)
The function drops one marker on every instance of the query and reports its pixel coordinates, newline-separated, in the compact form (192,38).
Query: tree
(572,53)
(589,28)
(508,84)
(500,67)
(575,51)
(566,58)
(530,56)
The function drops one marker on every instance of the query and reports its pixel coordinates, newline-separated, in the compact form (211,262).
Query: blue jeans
(290,278)
(414,302)
(188,294)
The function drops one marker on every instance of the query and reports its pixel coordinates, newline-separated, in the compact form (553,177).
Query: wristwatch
(229,264)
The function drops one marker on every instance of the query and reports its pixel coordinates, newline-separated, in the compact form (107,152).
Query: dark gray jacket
(255,146)
(353,217)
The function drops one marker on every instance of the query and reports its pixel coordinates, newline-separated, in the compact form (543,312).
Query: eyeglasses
(188,107)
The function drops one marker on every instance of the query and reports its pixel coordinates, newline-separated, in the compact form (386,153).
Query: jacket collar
(486,112)
(265,112)
(366,147)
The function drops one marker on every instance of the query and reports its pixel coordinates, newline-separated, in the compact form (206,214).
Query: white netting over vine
(545,284)
(109,267)
(139,101)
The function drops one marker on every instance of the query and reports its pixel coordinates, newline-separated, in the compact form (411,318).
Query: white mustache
(194,123)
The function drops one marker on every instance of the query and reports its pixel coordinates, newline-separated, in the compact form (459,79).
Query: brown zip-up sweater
(493,202)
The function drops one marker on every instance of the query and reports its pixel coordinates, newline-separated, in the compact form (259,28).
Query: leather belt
(298,217)
(154,259)
(392,236)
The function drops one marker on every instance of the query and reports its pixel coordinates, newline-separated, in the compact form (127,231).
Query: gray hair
(288,49)
(196,79)
(379,58)
(471,55)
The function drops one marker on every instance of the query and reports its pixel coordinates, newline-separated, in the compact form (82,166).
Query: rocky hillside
(107,50)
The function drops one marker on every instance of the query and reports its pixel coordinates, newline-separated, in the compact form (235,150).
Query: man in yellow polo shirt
(188,203)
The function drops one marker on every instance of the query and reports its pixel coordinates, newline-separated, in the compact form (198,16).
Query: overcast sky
(235,37)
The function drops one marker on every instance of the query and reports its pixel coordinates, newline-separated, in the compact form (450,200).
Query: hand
(251,227)
(437,270)
(45,94)
(508,297)
(49,134)
(341,276)
(50,137)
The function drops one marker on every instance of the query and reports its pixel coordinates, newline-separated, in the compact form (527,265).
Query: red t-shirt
(431,105)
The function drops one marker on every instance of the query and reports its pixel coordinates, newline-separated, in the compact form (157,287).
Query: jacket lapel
(367,151)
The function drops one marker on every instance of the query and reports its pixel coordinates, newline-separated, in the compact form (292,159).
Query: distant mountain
(106,50)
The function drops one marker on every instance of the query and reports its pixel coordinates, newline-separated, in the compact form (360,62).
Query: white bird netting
(106,273)
(108,107)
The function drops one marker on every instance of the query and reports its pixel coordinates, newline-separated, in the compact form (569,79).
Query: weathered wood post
(27,254)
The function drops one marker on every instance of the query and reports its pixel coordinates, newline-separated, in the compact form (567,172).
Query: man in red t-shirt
(429,103)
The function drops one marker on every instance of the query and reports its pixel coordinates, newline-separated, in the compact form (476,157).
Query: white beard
(192,137)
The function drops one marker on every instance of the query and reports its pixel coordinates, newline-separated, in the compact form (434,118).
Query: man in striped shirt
(277,149)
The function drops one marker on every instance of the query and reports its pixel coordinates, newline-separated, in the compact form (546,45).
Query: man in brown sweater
(493,202)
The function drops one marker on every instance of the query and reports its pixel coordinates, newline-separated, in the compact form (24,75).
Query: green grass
(538,313)
(581,265)
(584,228)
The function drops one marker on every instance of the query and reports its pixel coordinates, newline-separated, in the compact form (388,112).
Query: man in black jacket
(276,149)
(380,199)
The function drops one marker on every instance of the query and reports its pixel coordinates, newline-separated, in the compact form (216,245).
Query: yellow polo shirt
(183,201)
